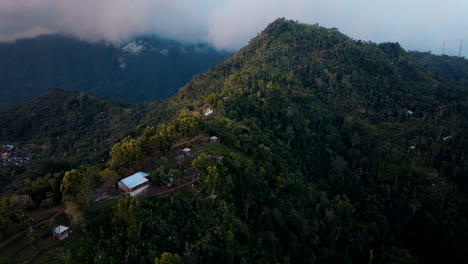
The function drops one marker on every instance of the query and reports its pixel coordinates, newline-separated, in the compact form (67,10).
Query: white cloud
(416,24)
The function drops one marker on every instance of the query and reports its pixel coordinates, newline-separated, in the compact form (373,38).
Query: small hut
(208,112)
(213,196)
(168,180)
(186,151)
(214,139)
(61,232)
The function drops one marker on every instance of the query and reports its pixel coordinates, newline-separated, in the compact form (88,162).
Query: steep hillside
(65,129)
(327,150)
(146,68)
(334,151)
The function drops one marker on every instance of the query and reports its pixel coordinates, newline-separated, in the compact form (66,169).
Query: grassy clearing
(221,150)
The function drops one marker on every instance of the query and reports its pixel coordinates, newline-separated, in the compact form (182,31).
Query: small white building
(213,139)
(186,151)
(61,232)
(208,112)
(409,112)
(134,184)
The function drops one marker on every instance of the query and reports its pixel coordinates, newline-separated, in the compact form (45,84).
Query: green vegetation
(444,68)
(330,151)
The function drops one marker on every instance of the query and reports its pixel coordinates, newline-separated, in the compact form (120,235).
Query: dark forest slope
(66,129)
(335,151)
(448,68)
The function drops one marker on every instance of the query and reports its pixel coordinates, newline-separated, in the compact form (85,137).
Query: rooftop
(142,174)
(59,229)
(135,179)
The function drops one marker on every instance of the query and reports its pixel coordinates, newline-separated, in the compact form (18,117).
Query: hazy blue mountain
(145,68)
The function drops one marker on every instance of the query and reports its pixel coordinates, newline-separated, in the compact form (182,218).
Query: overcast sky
(229,24)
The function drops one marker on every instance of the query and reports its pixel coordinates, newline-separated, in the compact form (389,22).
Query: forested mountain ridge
(444,67)
(335,151)
(144,69)
(66,129)
(332,151)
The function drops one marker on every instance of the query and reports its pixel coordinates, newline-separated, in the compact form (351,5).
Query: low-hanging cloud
(229,24)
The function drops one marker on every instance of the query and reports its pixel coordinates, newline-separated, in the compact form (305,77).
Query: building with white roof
(213,139)
(61,232)
(186,151)
(134,184)
(208,112)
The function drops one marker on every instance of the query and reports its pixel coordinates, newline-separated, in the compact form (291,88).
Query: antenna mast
(459,51)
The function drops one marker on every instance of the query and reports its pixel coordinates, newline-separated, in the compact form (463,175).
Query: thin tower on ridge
(459,51)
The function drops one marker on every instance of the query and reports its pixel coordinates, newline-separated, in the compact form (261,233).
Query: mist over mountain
(145,68)
(229,24)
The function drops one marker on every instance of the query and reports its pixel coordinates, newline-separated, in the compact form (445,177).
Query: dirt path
(176,188)
(184,182)
(186,142)
(18,235)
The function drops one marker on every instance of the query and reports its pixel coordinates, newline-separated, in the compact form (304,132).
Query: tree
(78,184)
(87,182)
(21,202)
(70,185)
(186,124)
(109,177)
(165,137)
(33,238)
(200,163)
(73,212)
(168,258)
(128,210)
(289,134)
(147,145)
(212,178)
(398,255)
(126,154)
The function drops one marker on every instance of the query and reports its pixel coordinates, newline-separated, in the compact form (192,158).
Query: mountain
(143,69)
(444,67)
(331,150)
(64,129)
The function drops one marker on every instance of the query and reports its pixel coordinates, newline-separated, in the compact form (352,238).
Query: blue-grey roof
(135,179)
(59,229)
(142,174)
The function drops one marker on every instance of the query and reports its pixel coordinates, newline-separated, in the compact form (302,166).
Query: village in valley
(13,155)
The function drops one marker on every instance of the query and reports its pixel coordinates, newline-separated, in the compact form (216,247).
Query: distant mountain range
(145,68)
